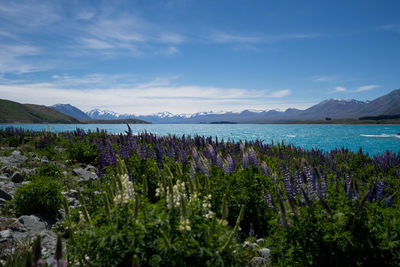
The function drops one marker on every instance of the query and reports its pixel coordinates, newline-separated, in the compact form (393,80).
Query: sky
(143,57)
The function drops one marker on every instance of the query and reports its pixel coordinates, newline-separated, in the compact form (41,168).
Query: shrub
(82,151)
(43,195)
(49,170)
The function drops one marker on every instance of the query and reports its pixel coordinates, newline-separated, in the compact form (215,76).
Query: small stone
(5,195)
(44,159)
(265,253)
(258,262)
(17,177)
(72,193)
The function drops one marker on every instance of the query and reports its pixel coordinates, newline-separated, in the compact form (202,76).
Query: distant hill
(70,110)
(13,112)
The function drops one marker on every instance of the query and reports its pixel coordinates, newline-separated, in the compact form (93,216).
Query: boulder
(84,175)
(5,195)
(4,178)
(17,177)
(33,224)
(14,160)
(9,188)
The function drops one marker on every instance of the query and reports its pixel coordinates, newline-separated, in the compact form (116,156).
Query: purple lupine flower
(347,185)
(211,154)
(229,165)
(286,181)
(268,199)
(204,166)
(245,160)
(220,161)
(265,169)
(252,157)
(142,151)
(380,189)
(124,151)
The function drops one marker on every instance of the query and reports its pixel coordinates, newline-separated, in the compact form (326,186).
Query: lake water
(373,139)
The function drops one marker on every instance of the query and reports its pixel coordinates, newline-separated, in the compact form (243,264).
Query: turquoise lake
(374,139)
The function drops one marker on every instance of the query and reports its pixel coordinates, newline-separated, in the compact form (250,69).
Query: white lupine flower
(127,192)
(209,215)
(184,225)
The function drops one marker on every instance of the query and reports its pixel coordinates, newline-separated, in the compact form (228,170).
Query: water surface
(373,139)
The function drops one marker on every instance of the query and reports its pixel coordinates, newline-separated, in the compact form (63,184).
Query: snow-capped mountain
(333,108)
(107,115)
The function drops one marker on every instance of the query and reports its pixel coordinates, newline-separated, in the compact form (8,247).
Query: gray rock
(14,160)
(91,168)
(49,241)
(84,175)
(72,193)
(9,188)
(265,253)
(7,170)
(17,177)
(6,233)
(44,159)
(258,262)
(5,195)
(2,201)
(28,171)
(25,182)
(32,223)
(4,178)
(11,223)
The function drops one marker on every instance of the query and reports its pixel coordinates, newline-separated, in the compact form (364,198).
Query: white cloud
(281,93)
(340,89)
(366,88)
(12,59)
(143,98)
(254,39)
(390,27)
(96,44)
(357,90)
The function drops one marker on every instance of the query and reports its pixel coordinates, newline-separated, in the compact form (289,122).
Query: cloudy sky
(185,56)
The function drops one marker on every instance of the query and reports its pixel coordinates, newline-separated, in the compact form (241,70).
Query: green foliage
(154,238)
(42,195)
(356,235)
(83,151)
(49,170)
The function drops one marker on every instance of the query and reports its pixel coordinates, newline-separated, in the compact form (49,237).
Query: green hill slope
(13,112)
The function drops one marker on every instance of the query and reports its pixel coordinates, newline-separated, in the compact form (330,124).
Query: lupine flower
(245,160)
(265,169)
(252,157)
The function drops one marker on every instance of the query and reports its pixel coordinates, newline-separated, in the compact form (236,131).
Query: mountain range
(388,104)
(13,112)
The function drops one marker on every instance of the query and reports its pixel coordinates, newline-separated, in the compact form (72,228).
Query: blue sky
(184,56)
